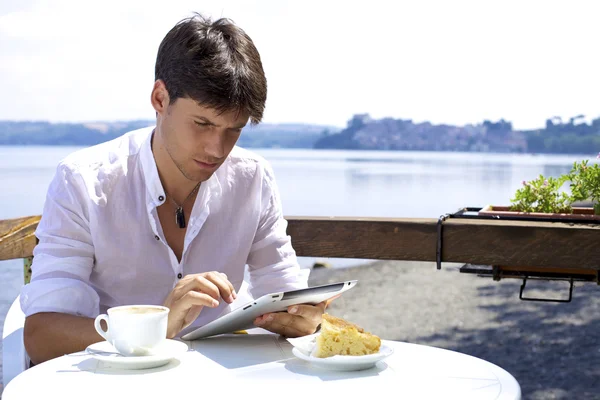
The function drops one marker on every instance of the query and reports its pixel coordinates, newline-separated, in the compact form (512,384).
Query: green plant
(585,183)
(542,195)
(545,194)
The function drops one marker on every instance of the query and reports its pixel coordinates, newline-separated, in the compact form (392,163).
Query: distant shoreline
(590,156)
(361,133)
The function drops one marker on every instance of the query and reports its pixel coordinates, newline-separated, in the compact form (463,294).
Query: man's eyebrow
(240,126)
(204,119)
(208,121)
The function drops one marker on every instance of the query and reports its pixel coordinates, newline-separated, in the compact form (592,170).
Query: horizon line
(116,121)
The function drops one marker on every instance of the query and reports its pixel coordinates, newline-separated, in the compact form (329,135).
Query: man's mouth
(206,165)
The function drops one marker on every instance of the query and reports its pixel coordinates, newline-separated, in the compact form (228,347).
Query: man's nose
(214,147)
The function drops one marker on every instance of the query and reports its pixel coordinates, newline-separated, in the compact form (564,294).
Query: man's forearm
(51,335)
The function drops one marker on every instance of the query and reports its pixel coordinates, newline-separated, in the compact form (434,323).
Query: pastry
(340,337)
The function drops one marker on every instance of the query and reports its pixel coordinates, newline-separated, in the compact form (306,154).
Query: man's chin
(200,173)
(200,176)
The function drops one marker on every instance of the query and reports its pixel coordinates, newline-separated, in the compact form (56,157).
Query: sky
(456,62)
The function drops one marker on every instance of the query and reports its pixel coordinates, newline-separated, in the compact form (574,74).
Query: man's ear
(159,97)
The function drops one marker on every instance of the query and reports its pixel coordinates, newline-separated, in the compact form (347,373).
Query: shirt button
(179,276)
(161,198)
(156,237)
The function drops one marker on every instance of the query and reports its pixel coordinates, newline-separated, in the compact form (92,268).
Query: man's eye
(201,123)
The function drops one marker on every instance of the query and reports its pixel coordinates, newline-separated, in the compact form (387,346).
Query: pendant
(180,217)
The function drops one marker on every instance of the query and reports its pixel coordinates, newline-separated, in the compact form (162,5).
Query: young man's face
(198,139)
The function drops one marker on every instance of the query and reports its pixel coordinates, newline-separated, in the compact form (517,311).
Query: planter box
(579,214)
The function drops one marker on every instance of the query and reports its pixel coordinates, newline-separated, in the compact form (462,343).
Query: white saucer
(346,363)
(105,352)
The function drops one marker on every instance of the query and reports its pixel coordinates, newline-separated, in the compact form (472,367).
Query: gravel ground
(552,349)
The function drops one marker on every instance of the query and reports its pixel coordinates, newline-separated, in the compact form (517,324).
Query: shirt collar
(155,191)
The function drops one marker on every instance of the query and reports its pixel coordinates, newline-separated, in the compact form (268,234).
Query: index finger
(233,293)
(225,287)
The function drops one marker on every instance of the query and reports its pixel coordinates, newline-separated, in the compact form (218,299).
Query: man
(168,215)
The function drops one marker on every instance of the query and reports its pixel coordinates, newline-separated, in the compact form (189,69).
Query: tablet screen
(310,291)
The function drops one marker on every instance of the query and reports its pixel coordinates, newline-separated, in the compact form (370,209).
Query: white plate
(105,352)
(346,363)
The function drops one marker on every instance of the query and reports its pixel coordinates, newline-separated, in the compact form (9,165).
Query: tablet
(244,316)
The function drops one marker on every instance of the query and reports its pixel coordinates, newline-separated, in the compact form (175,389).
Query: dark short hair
(213,63)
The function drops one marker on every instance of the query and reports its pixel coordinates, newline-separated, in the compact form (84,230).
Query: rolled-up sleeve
(272,262)
(64,257)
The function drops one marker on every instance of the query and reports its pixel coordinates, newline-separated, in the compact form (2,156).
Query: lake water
(317,183)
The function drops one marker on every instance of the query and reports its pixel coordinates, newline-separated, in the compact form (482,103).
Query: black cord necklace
(179,215)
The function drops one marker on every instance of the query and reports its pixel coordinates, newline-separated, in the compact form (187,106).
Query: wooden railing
(17,238)
(494,242)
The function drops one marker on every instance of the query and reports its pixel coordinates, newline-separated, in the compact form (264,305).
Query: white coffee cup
(135,330)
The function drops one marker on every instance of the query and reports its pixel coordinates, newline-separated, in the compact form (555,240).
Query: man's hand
(192,294)
(299,320)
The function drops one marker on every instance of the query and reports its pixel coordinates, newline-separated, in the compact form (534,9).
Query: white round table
(260,366)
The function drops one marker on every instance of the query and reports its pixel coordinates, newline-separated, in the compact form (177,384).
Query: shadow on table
(301,367)
(240,351)
(97,367)
(552,349)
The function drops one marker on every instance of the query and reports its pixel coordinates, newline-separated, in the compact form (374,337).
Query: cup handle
(102,332)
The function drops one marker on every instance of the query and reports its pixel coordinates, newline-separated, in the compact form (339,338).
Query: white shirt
(101,243)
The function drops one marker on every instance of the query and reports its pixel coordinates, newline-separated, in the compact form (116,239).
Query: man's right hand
(192,294)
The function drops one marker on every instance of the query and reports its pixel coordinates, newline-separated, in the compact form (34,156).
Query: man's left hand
(299,320)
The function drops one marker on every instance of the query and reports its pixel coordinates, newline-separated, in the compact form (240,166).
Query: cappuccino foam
(138,310)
